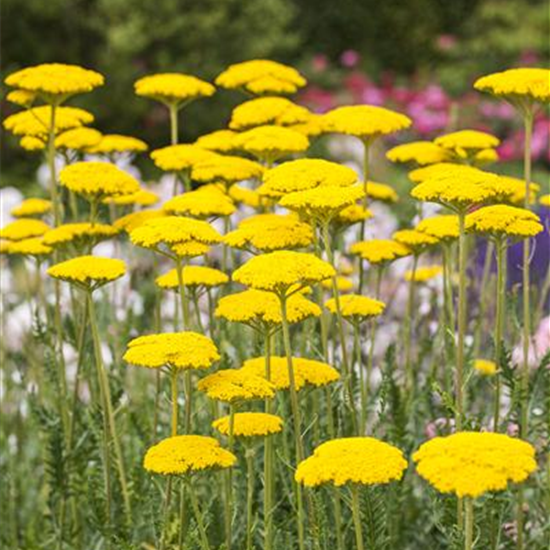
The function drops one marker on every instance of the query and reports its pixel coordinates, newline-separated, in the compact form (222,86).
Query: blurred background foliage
(449,42)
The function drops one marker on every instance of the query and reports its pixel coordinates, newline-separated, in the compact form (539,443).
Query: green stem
(173,108)
(483,295)
(249,497)
(356,510)
(268,457)
(51,165)
(460,352)
(469,524)
(365,384)
(199,518)
(174,387)
(499,324)
(409,323)
(361,236)
(182,293)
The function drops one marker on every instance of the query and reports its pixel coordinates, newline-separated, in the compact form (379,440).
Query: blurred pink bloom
(350,58)
(512,429)
(497,109)
(319,63)
(438,426)
(317,99)
(446,42)
(529,57)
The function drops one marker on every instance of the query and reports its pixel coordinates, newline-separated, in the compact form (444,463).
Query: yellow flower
(78,139)
(23,98)
(516,187)
(443,228)
(32,207)
(515,84)
(356,307)
(262,310)
(470,464)
(485,367)
(36,122)
(354,213)
(202,203)
(179,158)
(88,271)
(381,192)
(422,153)
(463,140)
(116,143)
(231,385)
(362,460)
(27,247)
(303,174)
(187,454)
(437,170)
(485,156)
(270,143)
(180,350)
(414,240)
(250,424)
(30,143)
(282,271)
(129,222)
(190,249)
(173,88)
(344,284)
(143,197)
(545,200)
(501,221)
(248,197)
(225,169)
(306,372)
(55,80)
(220,141)
(365,121)
(273,232)
(261,76)
(312,127)
(97,180)
(278,111)
(23,229)
(380,251)
(424,274)
(79,234)
(193,276)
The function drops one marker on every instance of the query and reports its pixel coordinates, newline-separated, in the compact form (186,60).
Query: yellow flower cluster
(470,464)
(27,247)
(116,143)
(193,276)
(352,214)
(464,140)
(23,229)
(55,79)
(422,153)
(281,270)
(179,158)
(356,307)
(23,98)
(220,141)
(78,139)
(414,240)
(261,76)
(438,170)
(79,234)
(248,197)
(88,271)
(343,284)
(444,228)
(32,207)
(516,188)
(173,87)
(232,385)
(424,274)
(187,454)
(380,251)
(97,180)
(205,202)
(181,350)
(517,83)
(361,460)
(306,371)
(381,192)
(485,367)
(267,110)
(135,219)
(545,200)
(501,220)
(250,424)
(143,197)
(226,169)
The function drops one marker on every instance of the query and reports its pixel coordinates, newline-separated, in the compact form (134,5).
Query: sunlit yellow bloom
(78,139)
(173,88)
(516,187)
(443,228)
(116,143)
(143,197)
(437,170)
(261,76)
(23,229)
(187,454)
(225,169)
(190,249)
(485,367)
(361,460)
(515,84)
(220,141)
(414,240)
(485,156)
(381,192)
(23,98)
(32,207)
(343,284)
(354,213)
(501,220)
(88,271)
(464,140)
(26,247)
(202,203)
(250,424)
(356,307)
(129,222)
(79,234)
(312,127)
(278,111)
(243,195)
(380,251)
(193,276)
(470,464)
(422,153)
(545,200)
(179,158)
(424,274)
(232,385)
(55,80)
(180,350)
(31,143)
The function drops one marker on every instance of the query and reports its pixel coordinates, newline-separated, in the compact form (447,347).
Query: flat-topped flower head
(32,207)
(117,143)
(271,232)
(219,141)
(173,88)
(54,82)
(422,153)
(133,220)
(545,200)
(180,158)
(78,139)
(283,272)
(187,454)
(352,214)
(381,192)
(444,228)
(303,174)
(27,247)
(179,350)
(233,386)
(380,251)
(517,85)
(307,372)
(190,249)
(143,197)
(202,203)
(356,308)
(415,240)
(23,98)
(89,272)
(360,460)
(246,196)
(225,169)
(271,143)
(517,190)
(278,111)
(262,310)
(312,127)
(463,140)
(79,235)
(23,228)
(366,122)
(485,367)
(97,180)
(36,122)
(250,424)
(424,274)
(502,221)
(437,170)
(163,234)
(260,77)
(469,464)
(343,284)
(194,276)
(322,204)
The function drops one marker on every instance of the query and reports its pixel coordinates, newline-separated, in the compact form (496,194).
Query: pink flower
(319,63)
(445,42)
(350,58)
